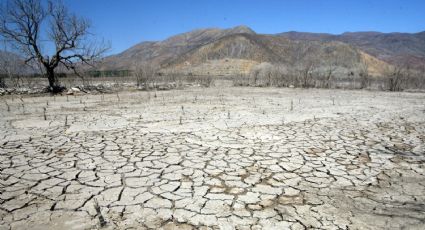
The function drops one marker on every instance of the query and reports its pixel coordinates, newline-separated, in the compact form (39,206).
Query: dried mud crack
(215,159)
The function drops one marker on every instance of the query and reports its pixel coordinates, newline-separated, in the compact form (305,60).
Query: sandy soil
(214,158)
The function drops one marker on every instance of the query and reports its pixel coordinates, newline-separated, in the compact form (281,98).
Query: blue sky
(127,22)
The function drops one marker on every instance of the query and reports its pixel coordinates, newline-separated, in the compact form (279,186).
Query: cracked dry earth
(215,158)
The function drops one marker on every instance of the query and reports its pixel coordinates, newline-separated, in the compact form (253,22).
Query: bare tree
(24,22)
(9,69)
(264,73)
(255,73)
(420,76)
(397,77)
(303,64)
(305,73)
(330,59)
(145,74)
(2,80)
(364,75)
(330,70)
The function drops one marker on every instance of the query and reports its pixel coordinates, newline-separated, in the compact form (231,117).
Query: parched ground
(214,158)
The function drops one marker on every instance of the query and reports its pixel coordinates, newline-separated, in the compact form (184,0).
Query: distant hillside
(13,63)
(390,47)
(205,51)
(264,48)
(161,52)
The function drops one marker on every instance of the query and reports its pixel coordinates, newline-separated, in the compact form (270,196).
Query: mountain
(408,48)
(160,52)
(237,50)
(13,63)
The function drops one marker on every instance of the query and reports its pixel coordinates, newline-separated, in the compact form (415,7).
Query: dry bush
(240,80)
(417,80)
(397,77)
(329,76)
(206,81)
(364,75)
(308,74)
(255,75)
(145,75)
(278,75)
(266,74)
(262,74)
(150,76)
(305,75)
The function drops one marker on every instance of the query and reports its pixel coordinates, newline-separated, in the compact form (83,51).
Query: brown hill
(408,48)
(161,52)
(240,48)
(206,51)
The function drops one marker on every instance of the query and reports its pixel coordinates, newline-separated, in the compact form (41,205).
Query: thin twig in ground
(8,106)
(102,221)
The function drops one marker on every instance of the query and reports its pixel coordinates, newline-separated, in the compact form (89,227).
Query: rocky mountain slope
(390,47)
(161,52)
(237,50)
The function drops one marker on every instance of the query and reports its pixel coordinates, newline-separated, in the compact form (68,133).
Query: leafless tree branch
(21,22)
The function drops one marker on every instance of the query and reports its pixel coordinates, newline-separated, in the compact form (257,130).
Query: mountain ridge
(389,47)
(201,45)
(171,47)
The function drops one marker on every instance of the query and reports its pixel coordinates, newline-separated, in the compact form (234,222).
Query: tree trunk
(2,82)
(53,85)
(51,78)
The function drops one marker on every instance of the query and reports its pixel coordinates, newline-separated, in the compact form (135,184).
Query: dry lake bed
(214,158)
